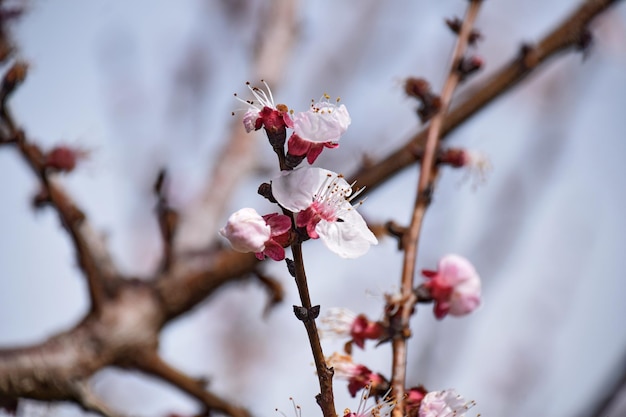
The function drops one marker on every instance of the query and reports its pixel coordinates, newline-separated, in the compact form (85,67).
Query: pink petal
(297,146)
(314,151)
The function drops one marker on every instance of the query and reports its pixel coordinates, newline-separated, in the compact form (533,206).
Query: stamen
(269,91)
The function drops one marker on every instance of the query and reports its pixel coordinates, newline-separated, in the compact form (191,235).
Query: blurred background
(143,85)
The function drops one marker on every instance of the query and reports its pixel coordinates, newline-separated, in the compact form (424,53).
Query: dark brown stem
(410,239)
(151,363)
(325,399)
(566,36)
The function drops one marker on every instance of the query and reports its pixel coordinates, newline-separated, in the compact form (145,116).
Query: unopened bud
(63,158)
(468,66)
(420,89)
(455,26)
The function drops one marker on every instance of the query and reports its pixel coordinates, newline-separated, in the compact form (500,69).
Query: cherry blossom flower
(358,376)
(446,403)
(413,400)
(247,231)
(322,200)
(455,286)
(318,128)
(382,407)
(344,323)
(263,112)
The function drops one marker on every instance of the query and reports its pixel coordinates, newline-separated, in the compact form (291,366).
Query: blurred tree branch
(570,35)
(123,325)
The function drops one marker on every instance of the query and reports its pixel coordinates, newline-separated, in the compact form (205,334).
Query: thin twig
(410,239)
(566,36)
(151,363)
(325,399)
(93,258)
(168,220)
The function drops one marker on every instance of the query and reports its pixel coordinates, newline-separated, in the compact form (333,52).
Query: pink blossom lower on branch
(358,376)
(445,403)
(247,231)
(322,200)
(318,128)
(344,323)
(455,286)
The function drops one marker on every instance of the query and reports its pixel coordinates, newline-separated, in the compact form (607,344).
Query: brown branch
(93,258)
(126,327)
(186,286)
(131,318)
(410,239)
(566,36)
(151,363)
(307,314)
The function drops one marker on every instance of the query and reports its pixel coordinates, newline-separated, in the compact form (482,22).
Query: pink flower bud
(63,158)
(455,286)
(246,231)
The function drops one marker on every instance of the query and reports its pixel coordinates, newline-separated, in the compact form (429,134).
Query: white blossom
(322,200)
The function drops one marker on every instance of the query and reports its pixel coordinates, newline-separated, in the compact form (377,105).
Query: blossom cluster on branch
(319,204)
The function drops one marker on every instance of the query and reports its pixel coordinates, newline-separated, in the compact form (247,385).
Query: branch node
(397,231)
(167,218)
(265,190)
(455,26)
(420,89)
(468,66)
(306,314)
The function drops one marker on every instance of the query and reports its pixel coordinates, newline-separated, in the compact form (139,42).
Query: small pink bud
(247,231)
(455,286)
(63,158)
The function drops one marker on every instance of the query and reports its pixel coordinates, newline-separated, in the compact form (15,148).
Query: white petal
(324,124)
(295,189)
(350,238)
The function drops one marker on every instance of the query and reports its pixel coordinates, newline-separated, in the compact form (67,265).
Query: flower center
(329,204)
